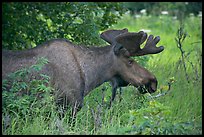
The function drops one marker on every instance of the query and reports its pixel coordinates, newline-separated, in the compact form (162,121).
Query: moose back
(76,70)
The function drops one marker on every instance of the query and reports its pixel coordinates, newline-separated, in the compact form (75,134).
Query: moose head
(127,45)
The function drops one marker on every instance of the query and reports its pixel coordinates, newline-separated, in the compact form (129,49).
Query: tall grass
(185,98)
(181,107)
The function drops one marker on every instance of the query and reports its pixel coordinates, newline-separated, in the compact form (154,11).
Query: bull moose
(76,70)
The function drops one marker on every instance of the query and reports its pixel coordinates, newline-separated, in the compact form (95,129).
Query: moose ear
(120,50)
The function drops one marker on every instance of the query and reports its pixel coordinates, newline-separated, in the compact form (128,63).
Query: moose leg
(114,90)
(120,94)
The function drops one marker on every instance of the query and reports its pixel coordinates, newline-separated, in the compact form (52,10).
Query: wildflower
(164,88)
(137,16)
(164,12)
(143,11)
(191,15)
(174,17)
(200,14)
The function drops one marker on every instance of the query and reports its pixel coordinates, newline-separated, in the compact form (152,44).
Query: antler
(110,35)
(150,46)
(132,42)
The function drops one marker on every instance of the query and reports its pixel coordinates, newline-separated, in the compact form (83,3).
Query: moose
(75,70)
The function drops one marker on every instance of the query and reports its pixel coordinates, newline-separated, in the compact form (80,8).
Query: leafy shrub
(24,95)
(27,24)
(154,118)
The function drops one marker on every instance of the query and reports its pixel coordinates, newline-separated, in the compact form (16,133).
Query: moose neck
(97,64)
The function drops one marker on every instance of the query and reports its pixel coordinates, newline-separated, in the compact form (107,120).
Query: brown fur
(76,70)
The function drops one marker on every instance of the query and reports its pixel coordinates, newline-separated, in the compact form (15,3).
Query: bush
(24,96)
(28,24)
(153,118)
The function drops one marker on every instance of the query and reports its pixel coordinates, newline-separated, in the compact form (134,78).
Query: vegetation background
(174,111)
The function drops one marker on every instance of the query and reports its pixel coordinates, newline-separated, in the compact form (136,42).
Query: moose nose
(152,86)
(149,87)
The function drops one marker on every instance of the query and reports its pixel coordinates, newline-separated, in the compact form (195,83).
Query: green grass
(184,100)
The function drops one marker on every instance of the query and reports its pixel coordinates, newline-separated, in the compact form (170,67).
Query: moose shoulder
(76,70)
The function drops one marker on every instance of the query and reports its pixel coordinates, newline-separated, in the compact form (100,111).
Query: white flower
(191,14)
(200,14)
(127,12)
(137,16)
(174,17)
(143,11)
(146,30)
(165,12)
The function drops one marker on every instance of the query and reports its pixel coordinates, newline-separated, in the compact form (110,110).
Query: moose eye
(130,62)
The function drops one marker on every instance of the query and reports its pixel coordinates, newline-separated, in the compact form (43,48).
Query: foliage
(24,96)
(155,118)
(181,109)
(27,24)
(178,112)
(180,9)
(146,116)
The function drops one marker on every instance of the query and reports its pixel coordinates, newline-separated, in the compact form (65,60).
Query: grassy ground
(185,98)
(183,102)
